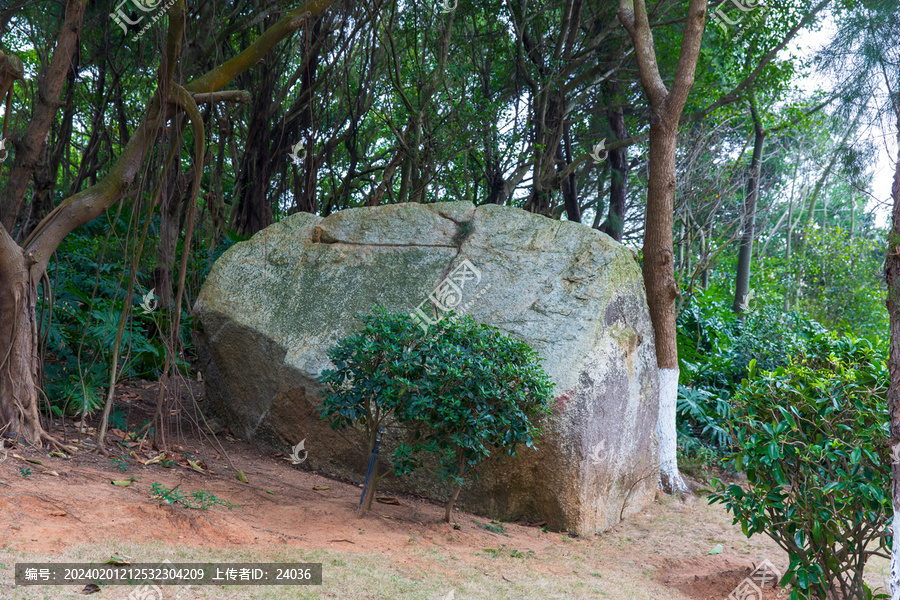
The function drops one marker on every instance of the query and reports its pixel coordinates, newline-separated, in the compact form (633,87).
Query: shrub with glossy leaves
(812,437)
(372,377)
(454,394)
(480,391)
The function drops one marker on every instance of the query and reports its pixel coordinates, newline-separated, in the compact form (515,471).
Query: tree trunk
(19,367)
(171,213)
(251,211)
(662,291)
(461,467)
(374,443)
(569,185)
(618,161)
(450,504)
(742,281)
(548,120)
(820,183)
(666,106)
(892,275)
(306,200)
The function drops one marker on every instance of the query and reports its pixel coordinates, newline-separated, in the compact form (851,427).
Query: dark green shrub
(479,391)
(458,392)
(374,371)
(813,439)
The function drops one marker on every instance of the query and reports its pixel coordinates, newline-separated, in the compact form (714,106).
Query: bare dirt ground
(67,510)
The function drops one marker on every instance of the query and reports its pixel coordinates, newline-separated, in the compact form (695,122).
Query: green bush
(374,370)
(813,439)
(480,391)
(90,281)
(457,392)
(716,349)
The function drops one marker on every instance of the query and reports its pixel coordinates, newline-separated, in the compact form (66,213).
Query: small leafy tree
(813,440)
(371,378)
(455,393)
(480,391)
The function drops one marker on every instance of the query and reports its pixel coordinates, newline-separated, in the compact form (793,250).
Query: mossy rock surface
(273,306)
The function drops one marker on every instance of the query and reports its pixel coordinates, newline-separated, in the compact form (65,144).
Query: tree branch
(633,16)
(94,201)
(239,96)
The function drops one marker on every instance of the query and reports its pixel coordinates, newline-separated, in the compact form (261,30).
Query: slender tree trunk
(569,185)
(45,175)
(662,291)
(892,275)
(306,200)
(373,480)
(820,183)
(548,132)
(679,264)
(216,202)
(87,170)
(171,216)
(666,106)
(742,280)
(704,257)
(461,465)
(618,161)
(251,211)
(453,499)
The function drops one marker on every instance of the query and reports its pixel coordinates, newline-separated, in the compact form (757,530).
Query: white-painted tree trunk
(670,479)
(895,552)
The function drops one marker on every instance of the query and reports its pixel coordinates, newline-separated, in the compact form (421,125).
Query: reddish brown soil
(290,505)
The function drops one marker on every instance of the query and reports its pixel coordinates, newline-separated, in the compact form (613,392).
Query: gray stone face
(273,306)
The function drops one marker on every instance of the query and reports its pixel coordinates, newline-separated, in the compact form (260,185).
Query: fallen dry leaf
(58,513)
(384,500)
(29,460)
(196,466)
(321,487)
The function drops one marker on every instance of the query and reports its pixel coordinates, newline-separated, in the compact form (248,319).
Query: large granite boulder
(274,305)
